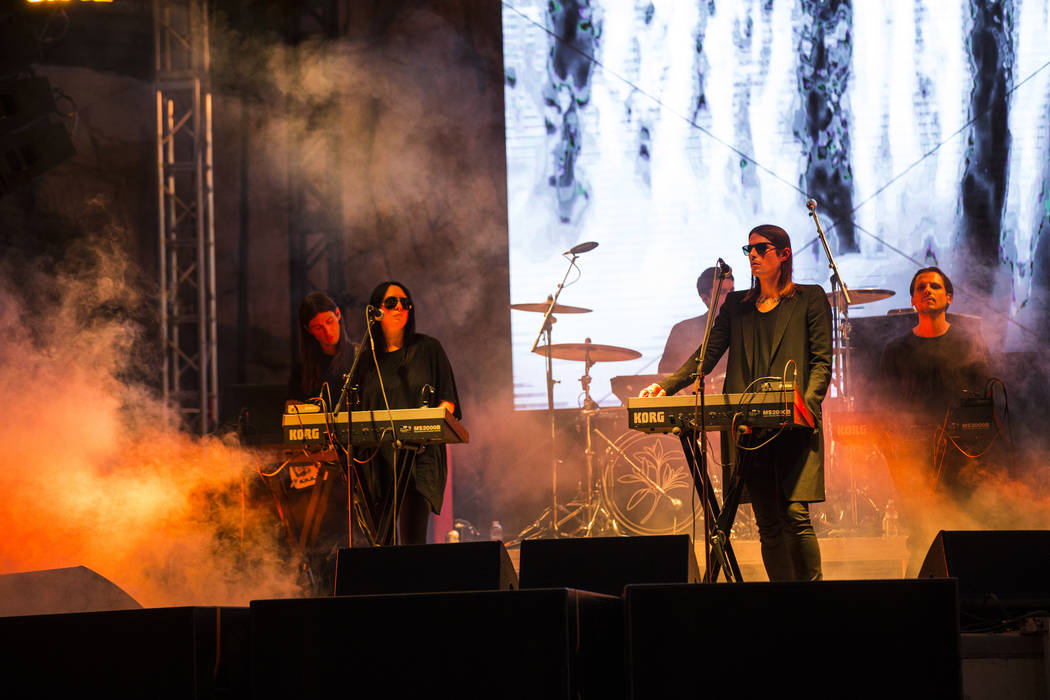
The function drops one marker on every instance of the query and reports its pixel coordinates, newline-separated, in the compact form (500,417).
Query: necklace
(763,299)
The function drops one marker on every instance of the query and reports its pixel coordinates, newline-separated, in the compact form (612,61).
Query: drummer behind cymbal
(687,335)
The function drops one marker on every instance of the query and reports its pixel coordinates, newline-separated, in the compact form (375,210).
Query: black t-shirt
(406,372)
(765,326)
(331,368)
(928,375)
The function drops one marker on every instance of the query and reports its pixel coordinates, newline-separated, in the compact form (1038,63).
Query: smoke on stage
(94,472)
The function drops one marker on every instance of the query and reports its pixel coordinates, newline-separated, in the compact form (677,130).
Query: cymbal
(860,296)
(558,308)
(589,352)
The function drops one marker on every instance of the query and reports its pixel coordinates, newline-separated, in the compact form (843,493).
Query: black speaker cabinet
(825,639)
(997,569)
(74,589)
(148,653)
(423,568)
(549,644)
(607,564)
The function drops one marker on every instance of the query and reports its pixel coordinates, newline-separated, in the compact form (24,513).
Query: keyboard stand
(718,522)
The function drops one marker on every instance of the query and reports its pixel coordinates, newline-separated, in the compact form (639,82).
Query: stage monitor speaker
(173,653)
(551,644)
(424,568)
(823,639)
(607,564)
(997,569)
(74,589)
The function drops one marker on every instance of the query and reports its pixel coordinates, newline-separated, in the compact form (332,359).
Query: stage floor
(844,558)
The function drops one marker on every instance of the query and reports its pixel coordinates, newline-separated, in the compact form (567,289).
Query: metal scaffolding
(186,214)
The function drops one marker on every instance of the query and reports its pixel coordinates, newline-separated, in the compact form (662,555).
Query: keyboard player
(773,329)
(408,370)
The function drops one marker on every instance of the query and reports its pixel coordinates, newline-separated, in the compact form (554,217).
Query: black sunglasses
(759,248)
(391,303)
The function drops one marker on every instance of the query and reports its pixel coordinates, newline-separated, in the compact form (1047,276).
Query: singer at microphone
(407,370)
(776,328)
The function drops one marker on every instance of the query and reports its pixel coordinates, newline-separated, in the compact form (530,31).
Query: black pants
(413,511)
(790,551)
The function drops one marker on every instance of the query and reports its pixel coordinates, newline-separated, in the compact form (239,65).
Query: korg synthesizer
(763,409)
(414,426)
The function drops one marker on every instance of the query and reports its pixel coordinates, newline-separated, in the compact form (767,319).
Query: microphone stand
(840,336)
(353,477)
(840,333)
(357,358)
(711,535)
(545,327)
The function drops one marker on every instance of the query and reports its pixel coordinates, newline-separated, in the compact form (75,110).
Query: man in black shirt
(924,373)
(927,370)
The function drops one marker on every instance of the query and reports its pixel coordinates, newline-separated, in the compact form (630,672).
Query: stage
(480,631)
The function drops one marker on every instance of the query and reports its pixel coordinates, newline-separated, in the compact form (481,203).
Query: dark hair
(780,240)
(376,300)
(312,304)
(947,282)
(706,281)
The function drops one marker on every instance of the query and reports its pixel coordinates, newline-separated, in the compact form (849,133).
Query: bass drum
(633,467)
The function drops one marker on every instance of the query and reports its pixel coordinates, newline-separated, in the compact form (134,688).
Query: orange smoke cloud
(94,475)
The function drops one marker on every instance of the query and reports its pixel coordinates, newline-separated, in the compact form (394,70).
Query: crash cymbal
(589,352)
(860,296)
(558,308)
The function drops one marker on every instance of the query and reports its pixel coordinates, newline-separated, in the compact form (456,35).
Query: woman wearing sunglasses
(413,371)
(783,330)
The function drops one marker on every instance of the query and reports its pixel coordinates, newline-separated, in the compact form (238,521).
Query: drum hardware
(551,515)
(652,495)
(588,352)
(543,306)
(590,508)
(859,296)
(840,298)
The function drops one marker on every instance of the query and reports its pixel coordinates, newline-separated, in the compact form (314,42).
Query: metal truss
(186,213)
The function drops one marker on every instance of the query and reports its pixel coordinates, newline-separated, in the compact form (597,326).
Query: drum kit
(586,514)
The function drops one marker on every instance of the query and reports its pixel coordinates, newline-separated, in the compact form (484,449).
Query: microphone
(581,248)
(724,269)
(811,204)
(375,313)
